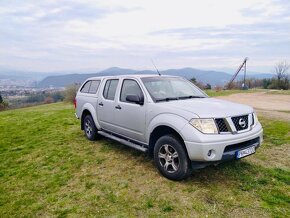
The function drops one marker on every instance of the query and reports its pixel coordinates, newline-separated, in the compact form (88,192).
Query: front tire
(171,158)
(90,128)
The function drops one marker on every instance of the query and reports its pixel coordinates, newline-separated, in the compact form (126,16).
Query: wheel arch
(88,109)
(84,114)
(163,130)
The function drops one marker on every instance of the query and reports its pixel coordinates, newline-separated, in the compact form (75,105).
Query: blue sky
(62,35)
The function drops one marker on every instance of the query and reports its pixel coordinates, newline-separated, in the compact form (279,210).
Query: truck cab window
(110,89)
(130,87)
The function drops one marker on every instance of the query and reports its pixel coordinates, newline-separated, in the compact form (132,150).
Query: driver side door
(129,116)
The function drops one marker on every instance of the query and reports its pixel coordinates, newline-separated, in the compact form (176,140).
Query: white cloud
(121,33)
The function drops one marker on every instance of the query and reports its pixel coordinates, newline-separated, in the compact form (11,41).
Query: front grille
(241,122)
(222,127)
(242,145)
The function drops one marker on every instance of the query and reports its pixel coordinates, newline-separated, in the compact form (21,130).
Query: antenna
(156,68)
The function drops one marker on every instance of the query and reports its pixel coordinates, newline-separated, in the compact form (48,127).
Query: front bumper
(198,151)
(229,154)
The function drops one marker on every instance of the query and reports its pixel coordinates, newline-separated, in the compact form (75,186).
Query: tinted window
(110,89)
(107,85)
(86,87)
(130,87)
(94,86)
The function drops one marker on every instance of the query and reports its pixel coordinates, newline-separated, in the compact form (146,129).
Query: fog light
(211,153)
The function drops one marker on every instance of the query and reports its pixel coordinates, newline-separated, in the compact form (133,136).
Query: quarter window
(86,87)
(110,89)
(94,86)
(91,86)
(130,87)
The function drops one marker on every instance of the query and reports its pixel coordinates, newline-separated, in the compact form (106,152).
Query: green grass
(276,132)
(214,93)
(284,111)
(48,168)
(279,92)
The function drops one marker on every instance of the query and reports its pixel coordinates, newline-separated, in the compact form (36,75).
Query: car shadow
(235,170)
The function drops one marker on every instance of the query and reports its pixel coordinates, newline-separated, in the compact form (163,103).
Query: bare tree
(282,81)
(281,69)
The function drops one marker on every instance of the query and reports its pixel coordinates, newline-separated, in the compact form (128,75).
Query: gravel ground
(269,105)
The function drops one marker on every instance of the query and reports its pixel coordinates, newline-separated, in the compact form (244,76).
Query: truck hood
(210,107)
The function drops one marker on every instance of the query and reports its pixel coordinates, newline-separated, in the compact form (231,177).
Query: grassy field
(279,92)
(214,93)
(48,168)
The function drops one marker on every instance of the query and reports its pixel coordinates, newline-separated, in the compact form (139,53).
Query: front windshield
(171,88)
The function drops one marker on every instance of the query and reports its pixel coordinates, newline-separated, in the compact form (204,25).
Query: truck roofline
(129,75)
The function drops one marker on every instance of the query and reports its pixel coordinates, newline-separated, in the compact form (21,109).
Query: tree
(198,84)
(3,105)
(266,83)
(193,80)
(70,93)
(207,86)
(281,69)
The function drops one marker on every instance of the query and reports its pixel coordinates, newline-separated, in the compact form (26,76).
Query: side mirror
(135,99)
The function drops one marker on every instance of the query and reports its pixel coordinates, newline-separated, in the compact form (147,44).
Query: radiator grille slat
(222,127)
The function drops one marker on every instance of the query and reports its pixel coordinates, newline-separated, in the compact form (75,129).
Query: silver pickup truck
(170,118)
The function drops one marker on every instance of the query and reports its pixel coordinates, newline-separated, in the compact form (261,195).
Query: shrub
(266,83)
(207,86)
(3,105)
(35,98)
(57,96)
(48,100)
(70,93)
(218,88)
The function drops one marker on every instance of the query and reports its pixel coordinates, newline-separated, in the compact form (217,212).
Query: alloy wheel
(88,128)
(168,158)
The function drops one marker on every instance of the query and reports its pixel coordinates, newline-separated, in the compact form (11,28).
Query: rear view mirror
(135,99)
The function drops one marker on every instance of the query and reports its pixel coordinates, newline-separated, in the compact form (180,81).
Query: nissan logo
(242,123)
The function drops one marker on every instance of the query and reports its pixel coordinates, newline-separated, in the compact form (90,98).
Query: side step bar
(123,141)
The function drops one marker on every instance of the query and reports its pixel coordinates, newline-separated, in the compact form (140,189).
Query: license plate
(245,152)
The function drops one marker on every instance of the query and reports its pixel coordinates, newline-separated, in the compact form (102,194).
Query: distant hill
(65,80)
(212,77)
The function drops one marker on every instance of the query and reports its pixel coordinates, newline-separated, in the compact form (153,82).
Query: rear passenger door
(106,105)
(130,117)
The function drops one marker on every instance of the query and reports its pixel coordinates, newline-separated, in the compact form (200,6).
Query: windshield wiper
(178,98)
(166,99)
(190,96)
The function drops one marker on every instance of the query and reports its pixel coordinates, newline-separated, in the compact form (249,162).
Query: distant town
(19,93)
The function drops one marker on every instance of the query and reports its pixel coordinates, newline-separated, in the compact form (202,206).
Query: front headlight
(254,119)
(206,126)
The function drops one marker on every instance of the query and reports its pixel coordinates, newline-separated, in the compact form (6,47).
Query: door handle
(118,107)
(101,104)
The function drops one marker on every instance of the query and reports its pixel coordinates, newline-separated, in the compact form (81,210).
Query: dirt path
(269,105)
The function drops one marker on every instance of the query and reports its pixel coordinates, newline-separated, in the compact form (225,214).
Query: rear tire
(171,158)
(90,128)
